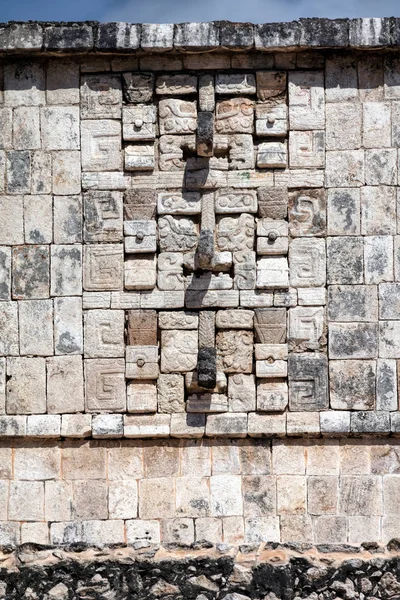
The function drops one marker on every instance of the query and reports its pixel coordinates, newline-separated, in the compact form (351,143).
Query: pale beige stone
(291,494)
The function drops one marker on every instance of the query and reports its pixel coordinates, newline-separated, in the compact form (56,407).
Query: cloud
(257,11)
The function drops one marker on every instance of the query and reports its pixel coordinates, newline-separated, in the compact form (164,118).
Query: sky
(167,11)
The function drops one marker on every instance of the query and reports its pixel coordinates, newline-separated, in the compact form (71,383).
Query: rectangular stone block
(76,426)
(103,267)
(378,210)
(356,303)
(335,422)
(256,298)
(378,258)
(267,369)
(66,270)
(138,87)
(140,236)
(142,328)
(26,386)
(352,384)
(344,211)
(103,216)
(5,273)
(308,382)
(43,426)
(38,219)
(26,90)
(66,172)
(345,262)
(170,393)
(176,85)
(341,79)
(141,396)
(178,320)
(266,425)
(178,351)
(68,329)
(271,120)
(30,272)
(139,158)
(211,299)
(146,426)
(234,319)
(107,427)
(272,155)
(307,213)
(241,393)
(343,126)
(12,222)
(389,342)
(307,262)
(353,340)
(303,424)
(101,145)
(207,403)
(140,204)
(232,425)
(235,115)
(270,325)
(105,385)
(161,300)
(272,272)
(41,176)
(234,351)
(138,122)
(9,340)
(26,128)
(272,395)
(36,327)
(18,166)
(306,100)
(235,84)
(60,128)
(312,296)
(307,149)
(64,373)
(142,362)
(272,202)
(140,273)
(62,82)
(101,97)
(104,334)
(377,128)
(345,168)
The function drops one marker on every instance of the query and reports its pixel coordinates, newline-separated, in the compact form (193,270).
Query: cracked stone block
(36,327)
(343,126)
(235,115)
(103,267)
(141,396)
(24,84)
(345,168)
(101,145)
(344,208)
(381,167)
(234,351)
(139,123)
(353,340)
(378,258)
(307,149)
(5,273)
(241,393)
(178,351)
(140,158)
(171,393)
(354,303)
(378,210)
(104,334)
(306,327)
(26,386)
(66,172)
(30,272)
(140,273)
(66,270)
(26,128)
(345,261)
(307,213)
(138,87)
(389,341)
(105,385)
(68,330)
(60,128)
(352,384)
(142,362)
(103,212)
(306,100)
(101,97)
(307,262)
(272,395)
(64,373)
(38,219)
(18,172)
(308,382)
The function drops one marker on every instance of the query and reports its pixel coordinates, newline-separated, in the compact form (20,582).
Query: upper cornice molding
(304,34)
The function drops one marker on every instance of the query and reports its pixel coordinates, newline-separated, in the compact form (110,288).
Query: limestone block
(235,115)
(12,221)
(234,351)
(36,533)
(270,325)
(142,362)
(307,262)
(101,145)
(266,425)
(43,426)
(105,385)
(6,128)
(335,422)
(101,97)
(306,100)
(208,281)
(271,352)
(178,320)
(232,425)
(207,92)
(177,116)
(378,211)
(5,273)
(272,272)
(190,426)
(36,327)
(312,296)
(352,384)
(90,499)
(345,260)
(306,327)
(159,299)
(107,426)
(363,528)
(357,303)
(272,395)
(141,396)
(2,385)
(139,204)
(146,426)
(346,168)
(234,319)
(235,201)
(307,149)
(272,237)
(271,368)
(66,270)
(171,149)
(66,172)
(26,501)
(360,495)
(76,426)
(240,150)
(157,37)
(235,234)
(308,382)
(111,180)
(62,82)
(378,258)
(377,422)
(344,211)
(60,128)
(389,343)
(138,531)
(140,273)
(171,396)
(237,83)
(271,84)
(30,272)
(103,216)
(64,373)
(123,500)
(68,332)
(140,236)
(142,328)
(177,234)
(241,393)
(176,85)
(343,126)
(271,120)
(291,494)
(24,84)
(139,123)
(104,334)
(226,495)
(381,167)
(26,386)
(9,340)
(377,130)
(272,155)
(341,79)
(178,351)
(177,531)
(138,87)
(307,213)
(272,202)
(38,219)
(286,298)
(103,267)
(303,424)
(178,203)
(139,158)
(18,167)
(353,340)
(207,403)
(26,128)
(192,496)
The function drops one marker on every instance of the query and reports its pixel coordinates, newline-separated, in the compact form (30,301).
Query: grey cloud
(257,11)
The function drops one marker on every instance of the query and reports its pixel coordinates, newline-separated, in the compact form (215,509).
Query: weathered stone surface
(104,334)
(378,209)
(140,237)
(344,211)
(68,328)
(306,327)
(170,393)
(105,385)
(139,204)
(381,167)
(177,234)
(378,259)
(307,213)
(142,362)
(307,262)
(272,202)
(177,116)
(36,327)
(101,97)
(30,272)
(66,270)
(140,273)
(308,382)
(176,85)
(178,351)
(272,155)
(141,396)
(347,303)
(103,216)
(138,87)
(178,320)
(26,386)
(306,100)
(234,351)
(101,145)
(353,340)
(138,122)
(307,149)
(66,172)
(103,267)
(235,115)
(345,260)
(272,395)
(352,384)
(64,373)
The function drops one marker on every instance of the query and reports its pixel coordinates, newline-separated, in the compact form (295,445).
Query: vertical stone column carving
(205,249)
(206,367)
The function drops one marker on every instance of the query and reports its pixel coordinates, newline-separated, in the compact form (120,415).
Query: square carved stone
(105,389)
(142,328)
(103,267)
(308,382)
